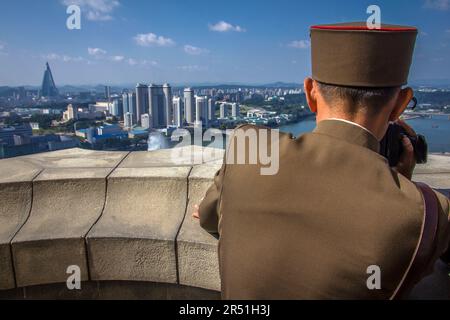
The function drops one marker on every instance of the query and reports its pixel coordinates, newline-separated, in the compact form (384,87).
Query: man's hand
(196,213)
(407,161)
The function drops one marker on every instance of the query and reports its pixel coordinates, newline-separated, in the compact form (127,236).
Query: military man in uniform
(335,209)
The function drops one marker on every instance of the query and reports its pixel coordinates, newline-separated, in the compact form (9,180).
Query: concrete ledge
(135,237)
(15,205)
(125,220)
(15,200)
(66,204)
(186,156)
(75,158)
(197,250)
(436,164)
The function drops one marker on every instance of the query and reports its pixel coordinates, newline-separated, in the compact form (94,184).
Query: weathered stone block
(66,203)
(197,249)
(135,237)
(15,206)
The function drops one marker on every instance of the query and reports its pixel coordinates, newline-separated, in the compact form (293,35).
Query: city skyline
(123,42)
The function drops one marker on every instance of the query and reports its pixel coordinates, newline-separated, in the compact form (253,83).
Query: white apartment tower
(142,103)
(235,110)
(168,111)
(189,105)
(201,111)
(178,115)
(211,109)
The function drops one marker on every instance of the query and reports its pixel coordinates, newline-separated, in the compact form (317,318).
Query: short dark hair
(370,100)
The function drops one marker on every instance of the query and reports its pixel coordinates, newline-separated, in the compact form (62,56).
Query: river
(435,129)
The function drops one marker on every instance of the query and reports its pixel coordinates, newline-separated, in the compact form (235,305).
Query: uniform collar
(348,131)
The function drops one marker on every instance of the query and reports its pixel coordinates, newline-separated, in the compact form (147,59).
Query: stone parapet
(123,218)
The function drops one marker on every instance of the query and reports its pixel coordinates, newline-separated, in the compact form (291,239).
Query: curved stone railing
(122,218)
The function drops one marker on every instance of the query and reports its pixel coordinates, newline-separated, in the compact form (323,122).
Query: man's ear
(403,98)
(310,94)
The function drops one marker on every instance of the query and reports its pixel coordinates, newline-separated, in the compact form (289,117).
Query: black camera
(391,146)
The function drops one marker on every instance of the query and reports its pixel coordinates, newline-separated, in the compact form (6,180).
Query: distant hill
(442,83)
(283,85)
(86,88)
(280,85)
(100,88)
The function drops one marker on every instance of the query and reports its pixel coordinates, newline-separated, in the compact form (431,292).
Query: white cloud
(223,26)
(100,54)
(51,56)
(144,62)
(192,68)
(442,5)
(132,62)
(149,63)
(96,52)
(151,39)
(95,10)
(63,58)
(117,58)
(194,50)
(300,44)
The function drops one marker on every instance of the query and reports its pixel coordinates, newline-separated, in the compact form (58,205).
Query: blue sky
(195,41)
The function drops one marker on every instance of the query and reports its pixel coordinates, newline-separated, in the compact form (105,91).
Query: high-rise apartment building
(211,109)
(189,105)
(168,111)
(178,114)
(223,110)
(132,106)
(145,121)
(235,110)
(157,110)
(108,93)
(125,104)
(160,105)
(142,100)
(116,108)
(71,113)
(128,120)
(201,111)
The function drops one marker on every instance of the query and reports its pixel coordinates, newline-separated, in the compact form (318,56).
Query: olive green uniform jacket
(312,230)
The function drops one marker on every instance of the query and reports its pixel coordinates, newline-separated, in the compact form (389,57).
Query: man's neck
(372,126)
(352,123)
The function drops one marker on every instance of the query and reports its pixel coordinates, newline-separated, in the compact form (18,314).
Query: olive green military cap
(351,54)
